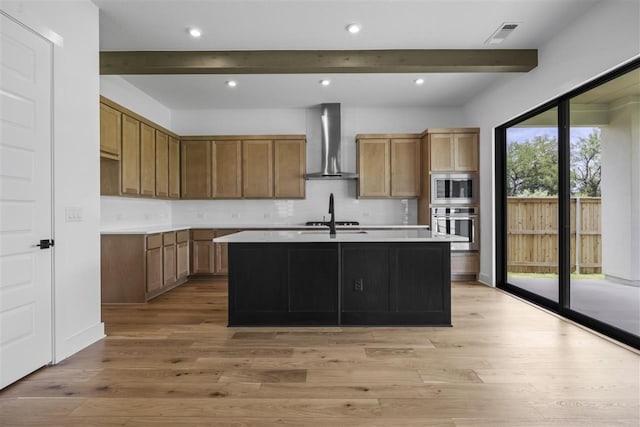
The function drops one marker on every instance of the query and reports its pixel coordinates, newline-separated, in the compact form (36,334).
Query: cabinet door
(465,152)
(405,167)
(227,169)
(147,160)
(110,131)
(257,169)
(196,169)
(162,164)
(222,253)
(174,168)
(441,152)
(289,167)
(203,257)
(373,167)
(130,159)
(169,265)
(154,269)
(182,260)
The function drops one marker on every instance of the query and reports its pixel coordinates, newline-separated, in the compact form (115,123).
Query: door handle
(45,244)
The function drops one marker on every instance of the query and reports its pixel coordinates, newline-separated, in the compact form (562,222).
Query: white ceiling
(320,24)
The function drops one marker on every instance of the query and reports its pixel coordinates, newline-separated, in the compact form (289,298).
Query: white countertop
(322,236)
(166,228)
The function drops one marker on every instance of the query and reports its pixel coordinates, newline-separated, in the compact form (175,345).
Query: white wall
(124,93)
(76,167)
(621,193)
(598,41)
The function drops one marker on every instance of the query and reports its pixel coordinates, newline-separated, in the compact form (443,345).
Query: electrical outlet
(358,285)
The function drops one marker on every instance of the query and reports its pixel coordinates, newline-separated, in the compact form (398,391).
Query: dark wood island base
(359,283)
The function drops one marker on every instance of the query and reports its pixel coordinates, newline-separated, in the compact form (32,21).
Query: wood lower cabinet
(182,254)
(137,267)
(465,265)
(169,254)
(207,257)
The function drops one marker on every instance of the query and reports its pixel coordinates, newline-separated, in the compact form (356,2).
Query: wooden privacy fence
(532,235)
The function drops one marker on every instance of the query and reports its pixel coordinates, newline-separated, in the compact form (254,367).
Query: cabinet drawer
(203,234)
(154,241)
(182,236)
(169,238)
(465,263)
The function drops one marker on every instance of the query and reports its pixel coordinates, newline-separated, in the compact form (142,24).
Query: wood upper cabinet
(465,152)
(162,164)
(147,160)
(289,167)
(372,164)
(405,167)
(174,168)
(257,168)
(388,165)
(226,179)
(454,152)
(130,157)
(110,131)
(196,169)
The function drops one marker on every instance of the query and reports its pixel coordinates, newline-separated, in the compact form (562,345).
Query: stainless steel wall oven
(461,221)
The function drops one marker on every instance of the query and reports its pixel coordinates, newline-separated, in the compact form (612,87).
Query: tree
(532,167)
(585,166)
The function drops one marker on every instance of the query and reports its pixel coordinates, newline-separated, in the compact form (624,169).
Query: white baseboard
(77,342)
(486,280)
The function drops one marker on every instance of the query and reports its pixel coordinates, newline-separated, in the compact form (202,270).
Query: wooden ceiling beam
(319,61)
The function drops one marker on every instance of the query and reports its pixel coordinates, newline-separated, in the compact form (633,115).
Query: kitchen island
(307,277)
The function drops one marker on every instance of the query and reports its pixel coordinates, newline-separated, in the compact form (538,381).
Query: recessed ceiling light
(195,32)
(232,83)
(325,82)
(353,28)
(418,81)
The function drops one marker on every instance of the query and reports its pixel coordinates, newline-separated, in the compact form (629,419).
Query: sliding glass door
(568,205)
(532,204)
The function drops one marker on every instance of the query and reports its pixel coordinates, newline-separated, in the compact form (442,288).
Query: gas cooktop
(338,223)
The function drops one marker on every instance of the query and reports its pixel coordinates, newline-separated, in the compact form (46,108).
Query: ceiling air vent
(501,33)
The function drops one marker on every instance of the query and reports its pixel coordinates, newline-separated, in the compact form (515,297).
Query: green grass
(553,275)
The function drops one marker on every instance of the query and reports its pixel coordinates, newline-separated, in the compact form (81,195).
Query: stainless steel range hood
(331,143)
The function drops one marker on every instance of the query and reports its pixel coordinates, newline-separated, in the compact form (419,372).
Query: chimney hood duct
(330,118)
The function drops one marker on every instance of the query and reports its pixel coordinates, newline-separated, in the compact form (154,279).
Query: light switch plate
(72,214)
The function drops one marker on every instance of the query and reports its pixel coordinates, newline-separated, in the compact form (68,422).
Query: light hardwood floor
(173,362)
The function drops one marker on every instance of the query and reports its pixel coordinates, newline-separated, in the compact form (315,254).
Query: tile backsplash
(120,212)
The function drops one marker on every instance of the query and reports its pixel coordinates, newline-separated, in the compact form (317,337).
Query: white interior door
(25,201)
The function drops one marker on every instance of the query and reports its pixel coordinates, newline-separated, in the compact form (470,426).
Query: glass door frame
(563,305)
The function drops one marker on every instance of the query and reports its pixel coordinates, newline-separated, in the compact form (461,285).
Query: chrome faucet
(332,221)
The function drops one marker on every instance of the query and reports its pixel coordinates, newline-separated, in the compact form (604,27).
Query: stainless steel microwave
(454,189)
